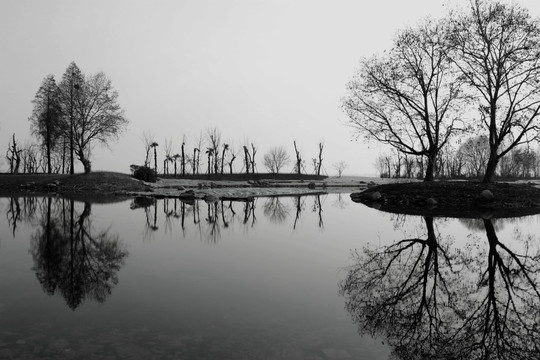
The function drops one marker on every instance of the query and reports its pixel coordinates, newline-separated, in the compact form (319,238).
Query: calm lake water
(314,277)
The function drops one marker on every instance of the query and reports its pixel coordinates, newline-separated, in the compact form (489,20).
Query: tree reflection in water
(431,300)
(71,258)
(221,214)
(276,210)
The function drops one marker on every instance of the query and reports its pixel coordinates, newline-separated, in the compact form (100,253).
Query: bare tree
(411,97)
(496,47)
(214,142)
(319,163)
(247,159)
(225,148)
(383,164)
(275,159)
(183,156)
(340,167)
(231,160)
(148,139)
(197,154)
(298,165)
(168,148)
(13,156)
(99,116)
(155,145)
(474,154)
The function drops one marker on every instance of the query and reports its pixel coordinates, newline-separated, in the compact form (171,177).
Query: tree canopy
(410,97)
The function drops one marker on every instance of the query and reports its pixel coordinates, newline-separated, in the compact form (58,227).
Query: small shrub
(144,173)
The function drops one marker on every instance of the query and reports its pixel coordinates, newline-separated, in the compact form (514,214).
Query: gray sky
(268,72)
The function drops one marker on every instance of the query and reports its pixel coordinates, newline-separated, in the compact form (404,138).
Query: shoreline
(461,199)
(108,186)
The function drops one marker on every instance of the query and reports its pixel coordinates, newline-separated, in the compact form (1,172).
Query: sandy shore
(210,190)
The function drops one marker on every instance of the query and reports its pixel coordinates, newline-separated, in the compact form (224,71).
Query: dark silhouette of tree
(225,148)
(319,162)
(496,47)
(210,153)
(298,164)
(70,87)
(183,157)
(411,97)
(70,258)
(46,119)
(13,155)
(230,163)
(155,145)
(148,139)
(175,158)
(247,159)
(99,116)
(214,142)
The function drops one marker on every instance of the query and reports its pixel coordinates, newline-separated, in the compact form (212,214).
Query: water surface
(275,278)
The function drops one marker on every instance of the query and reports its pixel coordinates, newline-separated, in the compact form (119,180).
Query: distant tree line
(68,118)
(222,157)
(475,71)
(469,161)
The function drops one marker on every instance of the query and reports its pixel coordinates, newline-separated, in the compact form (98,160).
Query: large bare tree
(497,47)
(99,116)
(410,97)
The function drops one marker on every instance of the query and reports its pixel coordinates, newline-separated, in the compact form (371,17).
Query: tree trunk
(155,160)
(86,164)
(298,159)
(183,161)
(430,169)
(490,169)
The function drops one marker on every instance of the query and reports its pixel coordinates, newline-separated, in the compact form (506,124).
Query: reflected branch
(429,301)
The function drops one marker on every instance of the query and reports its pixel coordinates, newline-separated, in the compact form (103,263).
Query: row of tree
(467,161)
(221,155)
(477,70)
(67,119)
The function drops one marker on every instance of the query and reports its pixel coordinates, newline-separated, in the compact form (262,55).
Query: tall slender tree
(69,91)
(46,119)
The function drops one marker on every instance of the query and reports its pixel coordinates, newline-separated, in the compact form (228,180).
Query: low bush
(145,173)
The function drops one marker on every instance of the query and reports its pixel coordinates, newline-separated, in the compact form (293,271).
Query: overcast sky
(263,71)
